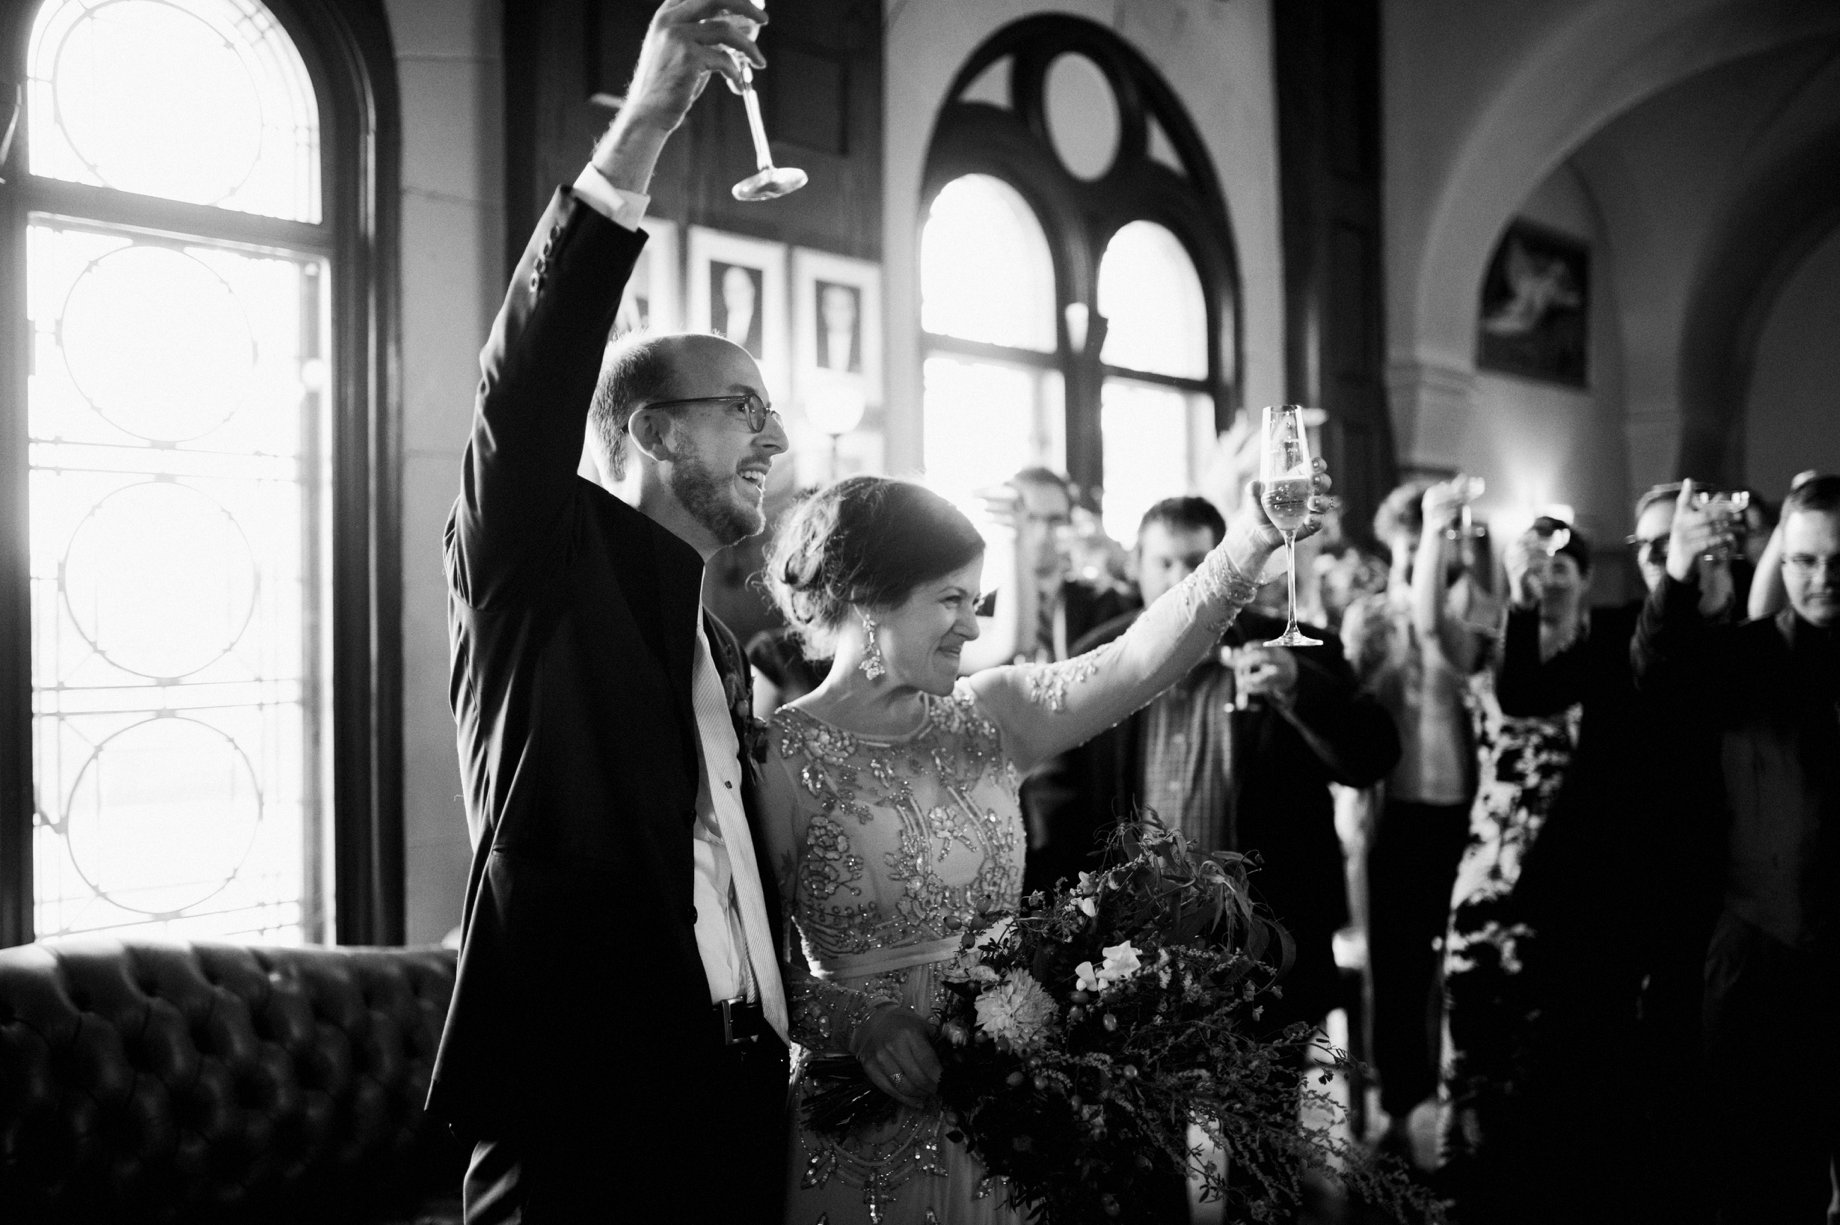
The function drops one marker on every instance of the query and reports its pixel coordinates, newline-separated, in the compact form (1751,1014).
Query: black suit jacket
(572,621)
(1283,763)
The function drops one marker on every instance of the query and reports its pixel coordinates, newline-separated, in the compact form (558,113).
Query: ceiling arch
(1596,62)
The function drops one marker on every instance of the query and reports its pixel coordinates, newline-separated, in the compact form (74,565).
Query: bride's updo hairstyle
(865,541)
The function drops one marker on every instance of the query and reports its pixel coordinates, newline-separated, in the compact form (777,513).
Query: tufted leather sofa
(220,1084)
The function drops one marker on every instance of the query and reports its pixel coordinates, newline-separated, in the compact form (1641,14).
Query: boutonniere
(736,694)
(754,739)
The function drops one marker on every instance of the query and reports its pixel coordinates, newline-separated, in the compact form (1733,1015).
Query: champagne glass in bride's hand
(1287,479)
(768,182)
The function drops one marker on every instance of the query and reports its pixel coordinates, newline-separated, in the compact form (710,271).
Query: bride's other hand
(1251,536)
(896,1051)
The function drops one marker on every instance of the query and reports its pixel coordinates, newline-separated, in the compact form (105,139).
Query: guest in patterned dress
(1529,730)
(890,811)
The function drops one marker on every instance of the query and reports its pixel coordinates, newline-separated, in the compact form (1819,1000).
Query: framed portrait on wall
(654,297)
(737,289)
(836,322)
(1535,304)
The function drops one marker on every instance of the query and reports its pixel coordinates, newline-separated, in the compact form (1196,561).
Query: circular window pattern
(159,579)
(1083,120)
(154,100)
(163,815)
(158,343)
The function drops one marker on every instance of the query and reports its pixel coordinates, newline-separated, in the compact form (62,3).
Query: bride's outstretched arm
(1045,709)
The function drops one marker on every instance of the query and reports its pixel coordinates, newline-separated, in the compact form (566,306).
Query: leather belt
(738,1022)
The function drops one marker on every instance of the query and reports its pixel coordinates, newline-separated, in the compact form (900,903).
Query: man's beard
(709,497)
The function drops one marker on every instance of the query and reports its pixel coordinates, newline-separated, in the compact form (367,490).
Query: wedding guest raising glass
(769,182)
(1286,478)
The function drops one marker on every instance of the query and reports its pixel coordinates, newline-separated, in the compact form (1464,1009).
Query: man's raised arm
(541,363)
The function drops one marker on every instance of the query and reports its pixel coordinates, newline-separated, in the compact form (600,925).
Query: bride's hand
(896,1052)
(1251,536)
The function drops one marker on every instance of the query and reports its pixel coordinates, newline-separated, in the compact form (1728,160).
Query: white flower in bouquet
(1121,962)
(1017,1009)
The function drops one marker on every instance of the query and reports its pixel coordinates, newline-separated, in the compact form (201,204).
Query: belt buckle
(728,1008)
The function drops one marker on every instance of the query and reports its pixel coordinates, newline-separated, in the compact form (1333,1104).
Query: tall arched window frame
(1079,286)
(199,628)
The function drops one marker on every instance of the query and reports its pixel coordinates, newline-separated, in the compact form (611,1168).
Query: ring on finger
(897,1078)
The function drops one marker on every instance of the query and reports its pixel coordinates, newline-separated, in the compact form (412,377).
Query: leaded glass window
(1077,275)
(177,443)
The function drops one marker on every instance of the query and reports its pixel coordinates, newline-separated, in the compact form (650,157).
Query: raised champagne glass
(1287,479)
(1727,510)
(1463,526)
(768,182)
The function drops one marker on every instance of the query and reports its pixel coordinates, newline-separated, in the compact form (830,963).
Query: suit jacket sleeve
(1344,725)
(539,368)
(1672,652)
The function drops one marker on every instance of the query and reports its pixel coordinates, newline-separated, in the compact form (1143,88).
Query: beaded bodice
(898,835)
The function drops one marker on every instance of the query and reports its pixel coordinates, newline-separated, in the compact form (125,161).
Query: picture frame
(837,321)
(837,364)
(654,294)
(736,287)
(1534,315)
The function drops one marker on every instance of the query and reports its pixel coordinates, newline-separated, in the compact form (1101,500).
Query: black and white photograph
(919,612)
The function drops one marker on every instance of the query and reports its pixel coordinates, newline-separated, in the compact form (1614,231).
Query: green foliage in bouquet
(1083,1035)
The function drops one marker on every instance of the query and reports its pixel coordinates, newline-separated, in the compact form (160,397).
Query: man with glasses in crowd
(1770,690)
(615,1044)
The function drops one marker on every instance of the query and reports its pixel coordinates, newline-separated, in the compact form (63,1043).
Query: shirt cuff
(616,204)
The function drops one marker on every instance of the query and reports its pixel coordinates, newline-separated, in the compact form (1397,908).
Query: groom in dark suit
(615,1045)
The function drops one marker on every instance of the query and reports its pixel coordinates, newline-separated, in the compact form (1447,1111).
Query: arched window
(1078,284)
(193,208)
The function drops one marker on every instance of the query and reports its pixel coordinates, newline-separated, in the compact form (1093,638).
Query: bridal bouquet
(1085,1034)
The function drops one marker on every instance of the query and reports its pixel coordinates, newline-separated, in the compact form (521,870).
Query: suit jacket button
(536,281)
(690,915)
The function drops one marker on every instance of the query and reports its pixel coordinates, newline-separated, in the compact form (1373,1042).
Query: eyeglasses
(1647,546)
(749,402)
(1808,563)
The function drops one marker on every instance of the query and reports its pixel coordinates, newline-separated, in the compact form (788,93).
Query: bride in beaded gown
(889,806)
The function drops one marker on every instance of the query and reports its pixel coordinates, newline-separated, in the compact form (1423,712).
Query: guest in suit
(615,1045)
(1245,775)
(1768,689)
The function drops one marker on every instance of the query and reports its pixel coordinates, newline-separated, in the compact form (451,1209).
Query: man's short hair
(1667,491)
(1818,495)
(1184,514)
(1046,478)
(636,369)
(1402,511)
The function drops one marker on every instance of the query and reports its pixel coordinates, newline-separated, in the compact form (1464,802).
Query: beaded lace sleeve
(1047,709)
(1206,600)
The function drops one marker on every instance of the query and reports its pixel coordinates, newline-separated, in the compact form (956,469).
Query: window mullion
(175,218)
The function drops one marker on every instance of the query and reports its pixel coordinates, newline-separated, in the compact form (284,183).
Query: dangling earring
(871,662)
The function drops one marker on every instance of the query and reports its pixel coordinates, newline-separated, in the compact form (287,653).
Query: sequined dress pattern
(890,838)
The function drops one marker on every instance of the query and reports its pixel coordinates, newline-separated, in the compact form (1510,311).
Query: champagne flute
(1468,489)
(1287,479)
(768,182)
(1727,509)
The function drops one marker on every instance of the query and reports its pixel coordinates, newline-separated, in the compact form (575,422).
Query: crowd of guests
(1600,874)
(1594,874)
